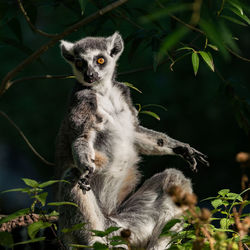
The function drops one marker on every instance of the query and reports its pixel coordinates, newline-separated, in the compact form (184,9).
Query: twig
(207,235)
(26,140)
(32,26)
(237,55)
(46,77)
(221,7)
(6,81)
(180,21)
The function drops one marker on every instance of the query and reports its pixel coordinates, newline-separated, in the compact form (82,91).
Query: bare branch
(237,55)
(26,140)
(32,26)
(6,82)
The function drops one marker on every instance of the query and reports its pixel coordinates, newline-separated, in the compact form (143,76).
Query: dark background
(200,110)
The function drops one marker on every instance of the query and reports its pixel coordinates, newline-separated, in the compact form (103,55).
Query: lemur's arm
(81,118)
(150,142)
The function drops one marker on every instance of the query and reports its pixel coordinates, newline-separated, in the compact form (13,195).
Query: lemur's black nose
(90,75)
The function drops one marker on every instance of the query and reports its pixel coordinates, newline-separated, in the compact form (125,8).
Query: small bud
(125,233)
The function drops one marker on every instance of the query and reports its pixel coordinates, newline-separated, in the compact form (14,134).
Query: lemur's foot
(84,183)
(191,155)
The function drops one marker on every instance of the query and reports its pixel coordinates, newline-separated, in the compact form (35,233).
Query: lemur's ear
(67,50)
(115,45)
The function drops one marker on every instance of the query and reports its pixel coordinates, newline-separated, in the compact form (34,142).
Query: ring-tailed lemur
(98,151)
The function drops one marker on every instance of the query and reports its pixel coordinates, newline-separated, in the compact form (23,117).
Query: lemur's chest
(114,111)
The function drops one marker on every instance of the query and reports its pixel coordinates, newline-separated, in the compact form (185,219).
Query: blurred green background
(202,110)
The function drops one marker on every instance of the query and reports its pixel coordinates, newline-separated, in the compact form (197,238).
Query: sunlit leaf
(30,241)
(213,47)
(208,59)
(185,48)
(49,183)
(234,20)
(79,246)
(41,197)
(223,192)
(14,215)
(216,203)
(132,86)
(30,182)
(150,113)
(23,190)
(239,14)
(195,62)
(34,228)
(61,203)
(82,4)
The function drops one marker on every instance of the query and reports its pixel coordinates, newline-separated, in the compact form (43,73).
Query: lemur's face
(93,59)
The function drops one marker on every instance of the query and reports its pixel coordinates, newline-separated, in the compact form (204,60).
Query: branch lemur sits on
(98,150)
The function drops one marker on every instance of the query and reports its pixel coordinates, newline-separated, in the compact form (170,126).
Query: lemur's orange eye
(101,60)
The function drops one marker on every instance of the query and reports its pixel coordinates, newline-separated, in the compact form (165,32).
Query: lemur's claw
(83,183)
(191,155)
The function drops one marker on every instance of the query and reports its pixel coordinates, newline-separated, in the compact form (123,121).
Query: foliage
(201,229)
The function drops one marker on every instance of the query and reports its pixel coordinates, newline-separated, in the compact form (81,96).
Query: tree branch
(26,140)
(32,26)
(6,82)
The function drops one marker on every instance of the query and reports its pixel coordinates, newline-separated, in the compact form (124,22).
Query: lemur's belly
(118,122)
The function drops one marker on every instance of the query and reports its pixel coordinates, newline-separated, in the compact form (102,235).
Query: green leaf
(236,5)
(60,203)
(14,215)
(79,246)
(83,4)
(30,241)
(241,15)
(169,225)
(171,40)
(216,203)
(234,20)
(30,182)
(225,223)
(154,105)
(23,190)
(151,114)
(104,233)
(185,48)
(117,240)
(132,86)
(74,228)
(53,213)
(49,183)
(208,59)
(195,62)
(223,192)
(213,47)
(41,197)
(34,228)
(100,246)
(6,239)
(234,196)
(212,31)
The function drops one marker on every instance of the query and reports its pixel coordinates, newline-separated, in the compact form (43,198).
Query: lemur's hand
(191,155)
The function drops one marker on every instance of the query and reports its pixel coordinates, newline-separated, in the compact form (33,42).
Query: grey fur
(98,149)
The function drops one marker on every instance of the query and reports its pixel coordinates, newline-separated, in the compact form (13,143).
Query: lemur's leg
(146,212)
(88,211)
(151,142)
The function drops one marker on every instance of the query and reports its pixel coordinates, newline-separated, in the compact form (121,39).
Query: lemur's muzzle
(90,75)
